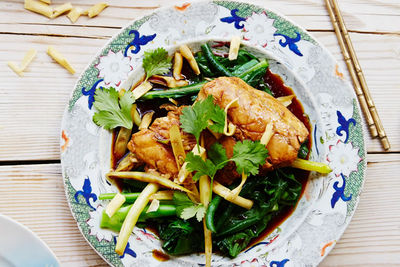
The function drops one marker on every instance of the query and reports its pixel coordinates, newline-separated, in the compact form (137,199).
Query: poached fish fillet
(256,109)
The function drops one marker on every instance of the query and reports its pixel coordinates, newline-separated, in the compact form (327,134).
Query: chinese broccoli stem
(115,222)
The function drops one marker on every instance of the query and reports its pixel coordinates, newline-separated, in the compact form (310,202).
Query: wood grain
(31,110)
(34,195)
(360,15)
(36,102)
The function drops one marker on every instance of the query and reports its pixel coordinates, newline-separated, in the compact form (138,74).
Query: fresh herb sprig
(112,110)
(247,155)
(156,62)
(196,118)
(187,209)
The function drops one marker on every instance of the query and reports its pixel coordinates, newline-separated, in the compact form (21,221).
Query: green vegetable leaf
(196,163)
(218,117)
(156,62)
(248,156)
(195,119)
(186,209)
(112,111)
(196,210)
(217,154)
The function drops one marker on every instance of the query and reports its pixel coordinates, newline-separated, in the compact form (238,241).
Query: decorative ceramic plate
(19,246)
(328,203)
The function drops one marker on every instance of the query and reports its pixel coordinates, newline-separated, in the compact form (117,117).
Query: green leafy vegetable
(181,237)
(271,195)
(156,62)
(186,209)
(195,119)
(112,111)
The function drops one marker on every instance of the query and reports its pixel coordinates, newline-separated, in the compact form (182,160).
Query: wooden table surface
(31,108)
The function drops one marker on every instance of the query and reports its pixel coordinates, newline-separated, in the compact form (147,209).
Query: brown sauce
(160,256)
(278,88)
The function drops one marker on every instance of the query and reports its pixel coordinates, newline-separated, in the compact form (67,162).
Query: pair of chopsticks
(367,104)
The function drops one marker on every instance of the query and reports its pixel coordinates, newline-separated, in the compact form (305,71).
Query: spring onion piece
(177,69)
(227,194)
(170,82)
(230,128)
(38,7)
(123,137)
(133,216)
(177,145)
(188,55)
(61,9)
(115,204)
(285,100)
(96,9)
(234,47)
(127,163)
(135,115)
(142,89)
(148,178)
(237,190)
(146,120)
(183,172)
(60,59)
(309,165)
(154,205)
(29,56)
(268,133)
(74,14)
(205,194)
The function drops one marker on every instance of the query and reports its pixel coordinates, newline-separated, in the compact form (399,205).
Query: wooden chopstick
(360,86)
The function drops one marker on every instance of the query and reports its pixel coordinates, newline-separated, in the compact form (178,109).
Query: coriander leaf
(112,112)
(218,117)
(248,156)
(217,154)
(195,119)
(156,62)
(190,122)
(196,210)
(201,211)
(196,163)
(186,209)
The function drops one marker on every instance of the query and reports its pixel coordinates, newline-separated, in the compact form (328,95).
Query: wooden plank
(360,15)
(34,195)
(31,107)
(373,236)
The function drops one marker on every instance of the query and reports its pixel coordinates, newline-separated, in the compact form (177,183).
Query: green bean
(261,65)
(212,208)
(129,197)
(242,68)
(214,62)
